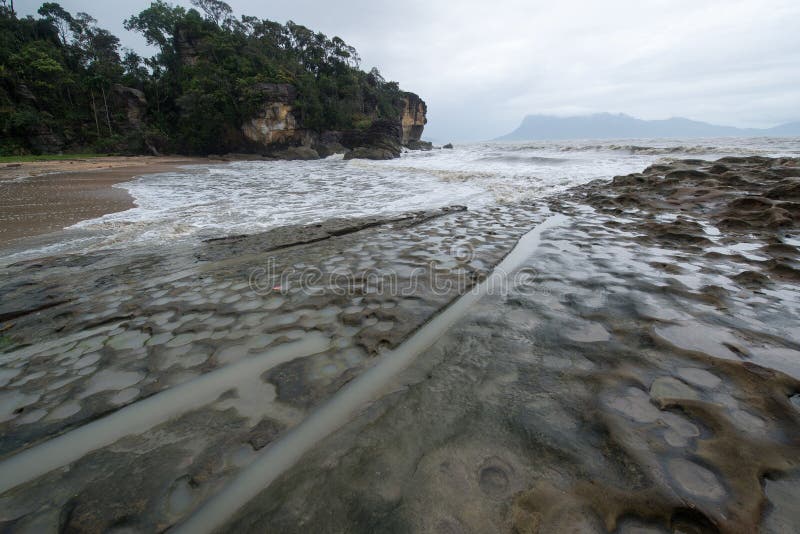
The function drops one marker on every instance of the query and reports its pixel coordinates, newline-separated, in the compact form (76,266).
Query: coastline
(45,196)
(636,342)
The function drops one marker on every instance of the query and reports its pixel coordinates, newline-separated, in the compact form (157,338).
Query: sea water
(201,202)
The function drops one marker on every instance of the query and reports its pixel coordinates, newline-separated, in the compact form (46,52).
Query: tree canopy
(65,82)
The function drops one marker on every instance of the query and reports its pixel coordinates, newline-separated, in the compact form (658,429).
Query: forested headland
(68,84)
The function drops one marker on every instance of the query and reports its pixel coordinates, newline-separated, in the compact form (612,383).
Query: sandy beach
(41,197)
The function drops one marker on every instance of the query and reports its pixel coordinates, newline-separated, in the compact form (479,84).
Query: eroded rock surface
(413,119)
(643,376)
(88,336)
(276,129)
(524,418)
(275,123)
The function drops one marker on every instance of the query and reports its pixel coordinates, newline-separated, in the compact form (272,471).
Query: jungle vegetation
(63,80)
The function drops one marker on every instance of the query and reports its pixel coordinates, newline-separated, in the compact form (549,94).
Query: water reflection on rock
(647,380)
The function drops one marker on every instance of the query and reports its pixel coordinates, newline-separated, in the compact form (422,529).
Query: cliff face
(413,118)
(186,47)
(134,103)
(276,127)
(276,123)
(380,141)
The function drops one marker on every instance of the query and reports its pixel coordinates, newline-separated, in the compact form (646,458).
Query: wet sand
(41,197)
(643,376)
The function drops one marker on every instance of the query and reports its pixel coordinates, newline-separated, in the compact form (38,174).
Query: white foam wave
(250,196)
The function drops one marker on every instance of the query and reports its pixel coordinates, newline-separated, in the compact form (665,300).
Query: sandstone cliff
(414,117)
(276,123)
(277,126)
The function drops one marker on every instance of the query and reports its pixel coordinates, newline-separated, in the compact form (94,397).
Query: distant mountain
(791,129)
(620,126)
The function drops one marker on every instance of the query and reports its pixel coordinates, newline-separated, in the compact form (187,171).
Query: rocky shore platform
(637,370)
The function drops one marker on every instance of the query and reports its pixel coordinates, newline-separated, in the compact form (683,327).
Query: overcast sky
(481,66)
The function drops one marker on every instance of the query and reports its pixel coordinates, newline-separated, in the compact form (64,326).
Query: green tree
(60,73)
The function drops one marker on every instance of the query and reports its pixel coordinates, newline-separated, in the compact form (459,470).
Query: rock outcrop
(276,129)
(413,118)
(133,127)
(380,141)
(276,123)
(134,102)
(298,153)
(329,143)
(186,47)
(44,140)
(419,145)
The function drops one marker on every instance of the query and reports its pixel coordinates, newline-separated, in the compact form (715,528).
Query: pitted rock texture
(641,384)
(130,326)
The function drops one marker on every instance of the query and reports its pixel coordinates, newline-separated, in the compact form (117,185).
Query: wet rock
(292,235)
(537,432)
(382,140)
(630,179)
(12,310)
(679,232)
(14,403)
(419,145)
(298,153)
(778,218)
(132,339)
(679,429)
(493,477)
(751,279)
(703,339)
(718,168)
(699,377)
(111,380)
(750,203)
(547,509)
(638,526)
(695,479)
(635,405)
(664,390)
(264,433)
(747,421)
(329,149)
(180,496)
(780,250)
(787,189)
(684,174)
(587,333)
(692,521)
(448,146)
(782,513)
(449,525)
(371,153)
(783,270)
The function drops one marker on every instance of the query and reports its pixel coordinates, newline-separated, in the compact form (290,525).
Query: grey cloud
(482,66)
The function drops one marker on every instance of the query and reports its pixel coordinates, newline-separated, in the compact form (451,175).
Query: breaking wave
(251,196)
(540,160)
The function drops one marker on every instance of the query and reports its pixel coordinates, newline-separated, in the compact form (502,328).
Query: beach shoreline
(40,197)
(649,335)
